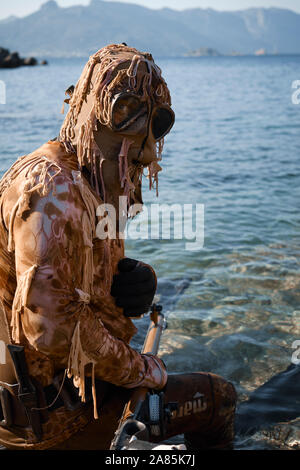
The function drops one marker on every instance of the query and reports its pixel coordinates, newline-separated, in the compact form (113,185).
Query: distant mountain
(8,19)
(82,30)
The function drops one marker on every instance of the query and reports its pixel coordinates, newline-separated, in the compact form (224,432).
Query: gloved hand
(134,287)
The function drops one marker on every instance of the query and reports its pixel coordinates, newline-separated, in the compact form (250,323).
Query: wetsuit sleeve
(51,307)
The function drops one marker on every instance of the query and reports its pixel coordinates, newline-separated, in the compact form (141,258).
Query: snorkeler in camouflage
(67,295)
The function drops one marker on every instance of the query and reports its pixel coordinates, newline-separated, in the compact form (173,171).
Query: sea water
(233,305)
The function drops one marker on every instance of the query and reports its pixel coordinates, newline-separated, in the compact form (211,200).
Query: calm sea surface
(235,148)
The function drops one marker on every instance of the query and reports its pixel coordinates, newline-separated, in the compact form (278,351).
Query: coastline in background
(53,31)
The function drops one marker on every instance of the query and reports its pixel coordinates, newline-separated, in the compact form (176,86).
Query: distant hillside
(81,30)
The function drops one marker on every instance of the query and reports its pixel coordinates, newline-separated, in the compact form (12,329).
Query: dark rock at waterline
(29,61)
(12,60)
(3,53)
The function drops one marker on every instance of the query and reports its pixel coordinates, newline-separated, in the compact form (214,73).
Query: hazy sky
(22,7)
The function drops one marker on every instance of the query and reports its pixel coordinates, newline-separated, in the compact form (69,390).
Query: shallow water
(234,148)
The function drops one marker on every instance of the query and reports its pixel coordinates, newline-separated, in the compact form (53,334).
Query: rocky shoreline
(12,60)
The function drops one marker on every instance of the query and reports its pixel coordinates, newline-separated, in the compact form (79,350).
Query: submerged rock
(276,401)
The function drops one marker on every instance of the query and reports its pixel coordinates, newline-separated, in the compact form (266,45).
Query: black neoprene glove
(134,287)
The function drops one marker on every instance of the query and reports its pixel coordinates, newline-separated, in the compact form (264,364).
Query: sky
(22,7)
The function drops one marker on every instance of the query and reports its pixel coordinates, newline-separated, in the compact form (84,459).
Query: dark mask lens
(162,122)
(125,109)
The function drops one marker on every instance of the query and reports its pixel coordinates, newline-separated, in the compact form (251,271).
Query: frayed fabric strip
(78,360)
(20,301)
(40,178)
(83,296)
(154,168)
(125,180)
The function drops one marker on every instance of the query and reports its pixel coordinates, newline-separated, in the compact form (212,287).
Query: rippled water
(234,148)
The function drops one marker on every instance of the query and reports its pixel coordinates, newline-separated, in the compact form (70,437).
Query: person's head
(119,115)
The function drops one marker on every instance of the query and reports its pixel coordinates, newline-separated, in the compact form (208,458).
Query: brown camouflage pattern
(55,279)
(56,275)
(205,415)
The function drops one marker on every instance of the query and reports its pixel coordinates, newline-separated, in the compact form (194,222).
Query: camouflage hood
(113,71)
